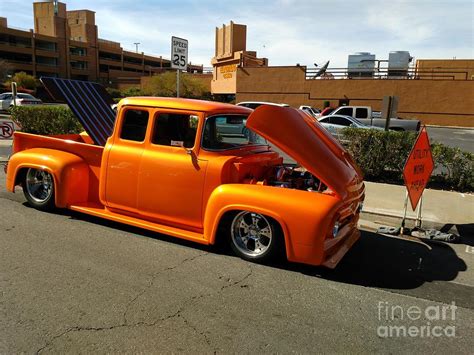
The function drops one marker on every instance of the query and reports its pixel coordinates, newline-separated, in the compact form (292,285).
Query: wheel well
(20,176)
(226,219)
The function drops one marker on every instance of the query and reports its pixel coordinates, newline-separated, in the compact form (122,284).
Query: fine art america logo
(416,322)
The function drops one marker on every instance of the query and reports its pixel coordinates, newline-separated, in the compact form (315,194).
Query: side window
(176,130)
(362,113)
(134,125)
(324,120)
(221,120)
(340,121)
(347,111)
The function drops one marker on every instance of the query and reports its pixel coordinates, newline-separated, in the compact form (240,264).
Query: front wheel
(255,237)
(38,188)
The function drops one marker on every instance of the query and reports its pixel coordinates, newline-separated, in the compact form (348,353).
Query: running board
(102,212)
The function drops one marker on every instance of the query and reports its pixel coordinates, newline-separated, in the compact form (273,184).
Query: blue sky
(285,31)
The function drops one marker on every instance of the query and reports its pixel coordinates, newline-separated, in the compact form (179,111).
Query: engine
(294,178)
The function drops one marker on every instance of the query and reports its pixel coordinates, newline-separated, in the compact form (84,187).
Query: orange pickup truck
(202,171)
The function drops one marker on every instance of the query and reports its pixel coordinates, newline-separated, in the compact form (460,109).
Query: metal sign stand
(417,234)
(177,82)
(416,173)
(402,228)
(418,217)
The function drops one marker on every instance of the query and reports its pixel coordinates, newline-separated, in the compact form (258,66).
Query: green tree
(165,85)
(24,80)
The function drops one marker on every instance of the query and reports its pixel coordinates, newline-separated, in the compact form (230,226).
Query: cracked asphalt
(70,283)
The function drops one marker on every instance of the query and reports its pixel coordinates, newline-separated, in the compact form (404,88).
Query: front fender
(303,216)
(69,171)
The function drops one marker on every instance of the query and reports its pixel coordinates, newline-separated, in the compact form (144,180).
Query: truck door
(171,179)
(123,163)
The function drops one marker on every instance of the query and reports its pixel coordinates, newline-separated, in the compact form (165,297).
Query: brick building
(66,44)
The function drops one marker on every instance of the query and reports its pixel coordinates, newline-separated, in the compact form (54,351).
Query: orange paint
(184,192)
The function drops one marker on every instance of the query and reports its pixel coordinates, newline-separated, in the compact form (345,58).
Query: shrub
(381,156)
(455,167)
(165,85)
(115,93)
(46,119)
(24,81)
(132,91)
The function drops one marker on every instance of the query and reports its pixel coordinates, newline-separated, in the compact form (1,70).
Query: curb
(395,220)
(396,215)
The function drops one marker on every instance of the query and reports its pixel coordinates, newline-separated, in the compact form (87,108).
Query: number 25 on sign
(418,167)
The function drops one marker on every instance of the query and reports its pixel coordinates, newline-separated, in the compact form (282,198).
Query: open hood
(307,142)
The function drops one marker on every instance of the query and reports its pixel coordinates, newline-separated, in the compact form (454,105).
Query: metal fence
(385,73)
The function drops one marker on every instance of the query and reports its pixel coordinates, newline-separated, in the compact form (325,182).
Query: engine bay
(294,177)
(284,176)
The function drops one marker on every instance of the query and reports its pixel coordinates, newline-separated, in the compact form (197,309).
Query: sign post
(416,173)
(389,109)
(179,57)
(14,93)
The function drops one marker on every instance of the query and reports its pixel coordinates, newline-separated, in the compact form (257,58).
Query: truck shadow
(374,261)
(465,231)
(383,262)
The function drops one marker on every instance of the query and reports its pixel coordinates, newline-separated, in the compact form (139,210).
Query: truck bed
(78,144)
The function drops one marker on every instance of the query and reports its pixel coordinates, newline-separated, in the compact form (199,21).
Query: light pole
(136,46)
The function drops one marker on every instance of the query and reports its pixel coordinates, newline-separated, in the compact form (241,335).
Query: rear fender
(69,171)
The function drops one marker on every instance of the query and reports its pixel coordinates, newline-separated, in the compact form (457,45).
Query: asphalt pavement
(73,283)
(462,138)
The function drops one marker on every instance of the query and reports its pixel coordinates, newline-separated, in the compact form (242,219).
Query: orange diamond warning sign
(418,167)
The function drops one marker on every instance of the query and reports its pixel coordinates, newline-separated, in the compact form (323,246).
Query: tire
(255,237)
(38,188)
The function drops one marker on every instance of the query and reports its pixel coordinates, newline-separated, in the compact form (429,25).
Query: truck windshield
(223,132)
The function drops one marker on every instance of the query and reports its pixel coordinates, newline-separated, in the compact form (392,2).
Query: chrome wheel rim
(251,233)
(39,185)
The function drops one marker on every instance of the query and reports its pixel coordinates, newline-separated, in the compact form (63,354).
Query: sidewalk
(5,149)
(441,207)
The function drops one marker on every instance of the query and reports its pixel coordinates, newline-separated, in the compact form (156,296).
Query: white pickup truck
(373,118)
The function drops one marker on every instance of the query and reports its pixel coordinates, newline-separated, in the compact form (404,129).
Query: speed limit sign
(179,53)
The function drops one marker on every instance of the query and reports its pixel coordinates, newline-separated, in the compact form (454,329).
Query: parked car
(326,111)
(335,123)
(254,104)
(232,126)
(311,110)
(168,167)
(6,100)
(373,118)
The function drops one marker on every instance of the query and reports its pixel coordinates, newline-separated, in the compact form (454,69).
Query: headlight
(335,229)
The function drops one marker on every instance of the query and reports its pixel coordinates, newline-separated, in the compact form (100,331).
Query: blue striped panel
(89,102)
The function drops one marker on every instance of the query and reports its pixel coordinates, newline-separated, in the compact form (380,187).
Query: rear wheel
(38,187)
(255,237)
